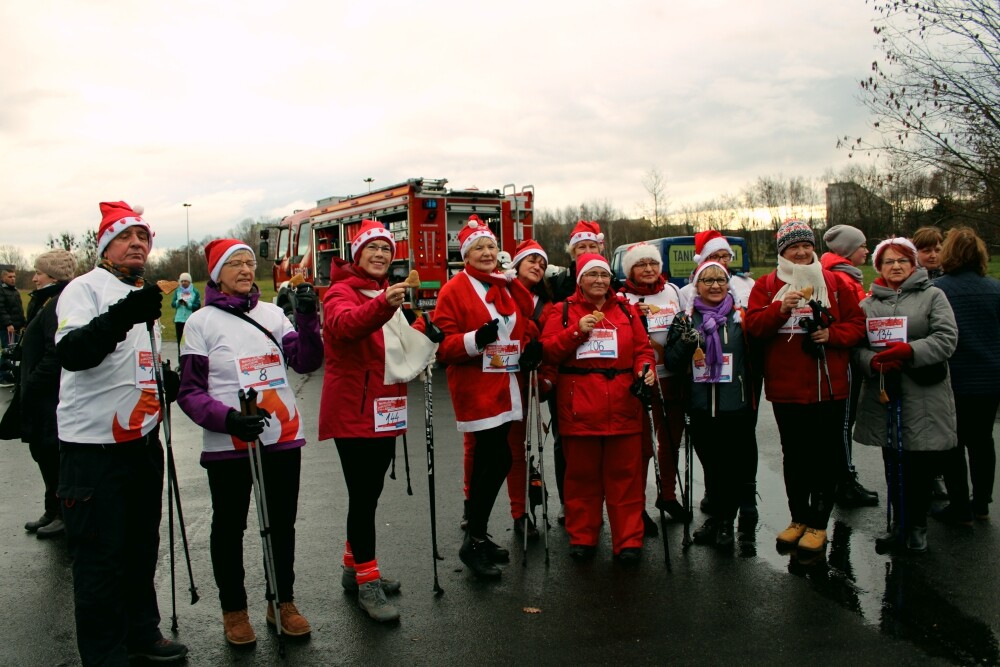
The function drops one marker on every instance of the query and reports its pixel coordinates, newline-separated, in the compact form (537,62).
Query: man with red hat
(111,474)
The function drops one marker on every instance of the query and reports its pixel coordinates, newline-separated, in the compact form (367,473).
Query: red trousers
(604,469)
(668,437)
(515,478)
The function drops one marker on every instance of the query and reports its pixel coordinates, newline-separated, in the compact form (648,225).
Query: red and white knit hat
(586,230)
(116,217)
(474,229)
(525,248)
(709,242)
(369,231)
(219,250)
(891,241)
(639,251)
(588,261)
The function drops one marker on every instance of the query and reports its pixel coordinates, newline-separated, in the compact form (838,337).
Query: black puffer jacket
(11,311)
(40,371)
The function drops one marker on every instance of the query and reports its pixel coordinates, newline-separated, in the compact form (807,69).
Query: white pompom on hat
(368,232)
(116,217)
(586,230)
(474,229)
(637,252)
(220,250)
(708,243)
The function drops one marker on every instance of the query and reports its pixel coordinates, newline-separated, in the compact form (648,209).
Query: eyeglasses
(645,265)
(713,281)
(239,263)
(902,261)
(375,248)
(597,275)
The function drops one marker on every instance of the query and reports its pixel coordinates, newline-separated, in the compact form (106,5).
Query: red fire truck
(424,217)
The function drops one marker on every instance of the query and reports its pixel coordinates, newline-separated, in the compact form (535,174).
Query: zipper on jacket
(743,393)
(819,382)
(364,394)
(712,398)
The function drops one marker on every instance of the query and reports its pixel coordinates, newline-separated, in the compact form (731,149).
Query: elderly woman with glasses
(911,335)
(600,347)
(484,316)
(239,342)
(658,301)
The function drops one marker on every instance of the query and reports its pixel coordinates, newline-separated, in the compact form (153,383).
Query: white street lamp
(369,182)
(187,225)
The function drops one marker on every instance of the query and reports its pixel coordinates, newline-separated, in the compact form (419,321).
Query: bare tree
(655,184)
(11,255)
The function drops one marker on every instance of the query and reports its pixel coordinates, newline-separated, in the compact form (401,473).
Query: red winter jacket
(831,260)
(355,357)
(792,375)
(481,400)
(594,403)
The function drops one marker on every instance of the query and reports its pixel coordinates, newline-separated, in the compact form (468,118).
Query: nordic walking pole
(527,466)
(533,378)
(248,406)
(429,435)
(688,482)
(406,462)
(899,466)
(648,404)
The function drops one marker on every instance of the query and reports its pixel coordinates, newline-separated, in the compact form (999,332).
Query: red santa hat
(637,252)
(369,231)
(589,261)
(525,248)
(116,217)
(709,242)
(705,265)
(586,230)
(219,250)
(474,229)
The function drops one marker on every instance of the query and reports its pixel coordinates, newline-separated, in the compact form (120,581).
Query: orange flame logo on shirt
(270,401)
(146,405)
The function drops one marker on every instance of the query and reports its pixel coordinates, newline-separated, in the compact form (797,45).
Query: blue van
(677,253)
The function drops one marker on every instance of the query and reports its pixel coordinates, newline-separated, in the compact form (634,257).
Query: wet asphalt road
(754,606)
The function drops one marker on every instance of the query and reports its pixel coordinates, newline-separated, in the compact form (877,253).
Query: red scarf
(645,290)
(499,292)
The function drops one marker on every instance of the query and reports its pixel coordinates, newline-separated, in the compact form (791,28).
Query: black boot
(706,533)
(476,557)
(674,509)
(916,539)
(889,540)
(649,528)
(724,535)
(464,523)
(850,493)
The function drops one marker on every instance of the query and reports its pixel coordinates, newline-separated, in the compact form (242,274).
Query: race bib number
(502,357)
(262,371)
(699,370)
(662,319)
(145,378)
(603,344)
(390,414)
(882,330)
(794,323)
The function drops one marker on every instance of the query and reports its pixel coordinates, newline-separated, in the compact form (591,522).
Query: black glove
(531,358)
(410,316)
(433,331)
(138,306)
(171,383)
(305,298)
(246,427)
(488,333)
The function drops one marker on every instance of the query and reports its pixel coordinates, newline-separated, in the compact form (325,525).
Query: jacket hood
(832,259)
(219,299)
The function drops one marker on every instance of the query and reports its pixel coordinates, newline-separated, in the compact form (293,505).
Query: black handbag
(10,423)
(925,376)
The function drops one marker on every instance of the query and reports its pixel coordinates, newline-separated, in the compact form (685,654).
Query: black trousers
(231,486)
(727,447)
(975,416)
(490,464)
(111,496)
(918,469)
(179,328)
(364,461)
(812,448)
(46,455)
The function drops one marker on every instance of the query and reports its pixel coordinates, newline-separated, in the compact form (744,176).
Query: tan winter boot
(293,623)
(790,536)
(813,541)
(239,632)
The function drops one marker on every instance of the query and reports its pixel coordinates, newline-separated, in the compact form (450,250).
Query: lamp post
(369,182)
(187,226)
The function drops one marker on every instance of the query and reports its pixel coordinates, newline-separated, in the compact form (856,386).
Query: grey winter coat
(928,411)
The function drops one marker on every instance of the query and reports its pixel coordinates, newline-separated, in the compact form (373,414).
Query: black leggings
(974,416)
(812,448)
(364,461)
(231,487)
(490,464)
(919,468)
(728,459)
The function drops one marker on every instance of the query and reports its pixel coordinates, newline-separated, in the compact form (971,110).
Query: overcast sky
(256,108)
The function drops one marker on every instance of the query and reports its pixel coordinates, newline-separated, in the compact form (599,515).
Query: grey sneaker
(372,599)
(350,582)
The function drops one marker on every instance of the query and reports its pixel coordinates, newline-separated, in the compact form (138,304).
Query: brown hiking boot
(790,536)
(293,623)
(239,632)
(814,540)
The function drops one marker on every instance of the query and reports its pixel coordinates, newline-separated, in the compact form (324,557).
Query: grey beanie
(57,264)
(843,239)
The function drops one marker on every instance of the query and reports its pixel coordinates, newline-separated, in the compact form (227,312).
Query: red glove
(895,352)
(885,367)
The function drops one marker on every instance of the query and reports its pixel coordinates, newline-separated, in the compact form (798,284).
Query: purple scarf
(712,319)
